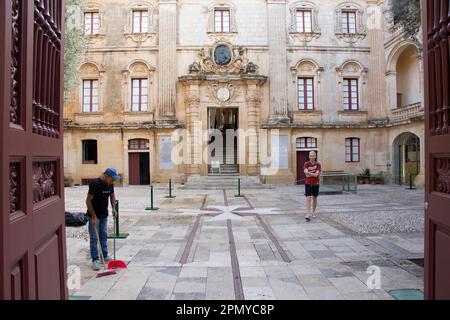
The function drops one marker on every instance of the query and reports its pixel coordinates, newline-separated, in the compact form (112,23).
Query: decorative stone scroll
(223,57)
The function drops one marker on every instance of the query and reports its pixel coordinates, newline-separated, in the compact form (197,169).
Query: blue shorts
(312,191)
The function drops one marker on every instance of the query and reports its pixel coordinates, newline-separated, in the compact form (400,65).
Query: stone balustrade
(407,112)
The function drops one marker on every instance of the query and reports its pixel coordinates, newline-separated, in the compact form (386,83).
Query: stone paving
(212,245)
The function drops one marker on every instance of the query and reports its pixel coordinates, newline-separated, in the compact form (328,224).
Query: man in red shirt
(312,171)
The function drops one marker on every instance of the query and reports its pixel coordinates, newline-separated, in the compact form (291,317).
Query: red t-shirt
(312,168)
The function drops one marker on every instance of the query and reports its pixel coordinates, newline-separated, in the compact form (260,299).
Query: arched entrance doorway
(406,158)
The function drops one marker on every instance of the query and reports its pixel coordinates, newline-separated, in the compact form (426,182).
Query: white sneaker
(314,216)
(96,265)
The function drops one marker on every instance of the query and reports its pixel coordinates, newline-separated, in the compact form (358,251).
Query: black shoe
(308,219)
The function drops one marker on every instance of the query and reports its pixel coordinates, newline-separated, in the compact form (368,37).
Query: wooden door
(32,228)
(436,26)
(134,168)
(302,157)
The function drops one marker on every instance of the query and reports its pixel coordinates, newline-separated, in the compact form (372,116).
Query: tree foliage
(75,43)
(407,15)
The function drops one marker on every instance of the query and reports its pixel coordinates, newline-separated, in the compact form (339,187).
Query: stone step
(217,182)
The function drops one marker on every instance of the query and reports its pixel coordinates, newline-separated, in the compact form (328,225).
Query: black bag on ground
(76,219)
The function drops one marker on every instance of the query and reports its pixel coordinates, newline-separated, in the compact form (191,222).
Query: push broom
(116,264)
(106,272)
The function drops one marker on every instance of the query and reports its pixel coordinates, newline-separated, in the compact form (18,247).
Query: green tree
(407,15)
(75,43)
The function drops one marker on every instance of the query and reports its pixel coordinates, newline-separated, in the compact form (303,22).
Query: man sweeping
(312,171)
(100,191)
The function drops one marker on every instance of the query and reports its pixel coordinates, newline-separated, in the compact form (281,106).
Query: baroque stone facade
(158,75)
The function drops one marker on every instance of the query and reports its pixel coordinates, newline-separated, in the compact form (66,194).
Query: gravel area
(77,232)
(381,222)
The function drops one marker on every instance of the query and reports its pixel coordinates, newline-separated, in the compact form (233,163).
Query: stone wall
(179,98)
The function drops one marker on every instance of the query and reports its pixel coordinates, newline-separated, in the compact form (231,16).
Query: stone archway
(406,158)
(404,75)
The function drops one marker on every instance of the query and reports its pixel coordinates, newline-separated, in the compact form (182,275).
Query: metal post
(151,208)
(116,233)
(117,218)
(170,196)
(239,189)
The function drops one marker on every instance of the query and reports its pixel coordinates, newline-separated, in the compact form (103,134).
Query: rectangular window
(349,22)
(139,95)
(304,21)
(90,95)
(140,21)
(222,20)
(305,93)
(91,23)
(352,150)
(351,95)
(90,152)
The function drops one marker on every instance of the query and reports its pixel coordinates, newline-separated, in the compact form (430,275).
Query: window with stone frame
(352,150)
(306,143)
(351,94)
(90,95)
(304,24)
(140,21)
(222,20)
(350,22)
(91,23)
(304,21)
(305,93)
(139,95)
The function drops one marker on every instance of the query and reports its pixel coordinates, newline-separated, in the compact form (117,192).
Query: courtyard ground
(211,245)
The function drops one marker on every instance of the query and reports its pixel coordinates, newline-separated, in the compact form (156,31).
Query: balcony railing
(407,112)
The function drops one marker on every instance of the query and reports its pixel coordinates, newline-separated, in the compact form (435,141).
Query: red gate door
(436,26)
(32,234)
(134,168)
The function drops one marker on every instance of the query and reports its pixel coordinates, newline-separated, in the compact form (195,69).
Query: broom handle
(115,217)
(100,247)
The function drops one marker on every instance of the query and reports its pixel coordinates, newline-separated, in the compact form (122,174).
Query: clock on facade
(222,55)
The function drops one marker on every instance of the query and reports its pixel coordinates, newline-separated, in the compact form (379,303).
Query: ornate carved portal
(223,79)
(44,180)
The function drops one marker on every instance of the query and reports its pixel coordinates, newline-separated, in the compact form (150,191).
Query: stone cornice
(223,78)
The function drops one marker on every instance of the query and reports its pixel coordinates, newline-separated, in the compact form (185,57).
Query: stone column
(376,93)
(167,60)
(194,129)
(254,120)
(277,32)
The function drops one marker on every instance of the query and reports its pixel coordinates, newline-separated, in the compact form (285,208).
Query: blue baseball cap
(112,173)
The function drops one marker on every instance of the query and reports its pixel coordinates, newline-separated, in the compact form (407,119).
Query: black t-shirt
(101,192)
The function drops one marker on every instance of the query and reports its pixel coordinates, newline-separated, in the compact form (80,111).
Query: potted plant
(360,179)
(380,178)
(366,176)
(68,181)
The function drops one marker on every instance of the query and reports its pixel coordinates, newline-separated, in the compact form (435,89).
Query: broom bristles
(105,273)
